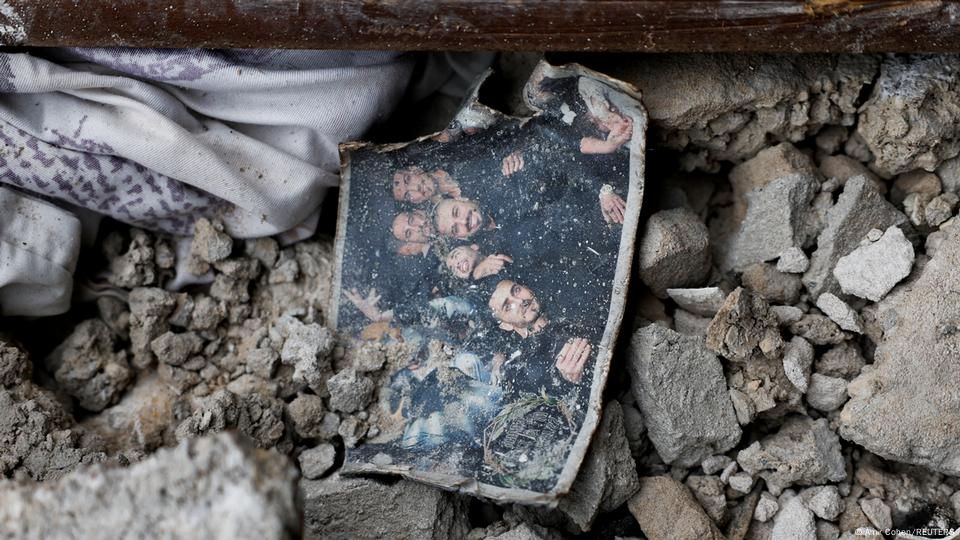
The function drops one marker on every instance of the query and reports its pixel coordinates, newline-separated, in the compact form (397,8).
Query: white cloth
(157,138)
(39,245)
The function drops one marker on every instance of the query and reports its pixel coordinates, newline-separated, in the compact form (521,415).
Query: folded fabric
(157,138)
(39,246)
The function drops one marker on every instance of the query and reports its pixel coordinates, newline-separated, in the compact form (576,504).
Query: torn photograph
(493,257)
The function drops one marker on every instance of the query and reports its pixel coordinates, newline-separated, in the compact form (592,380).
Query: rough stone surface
(255,416)
(818,329)
(709,491)
(767,507)
(797,362)
(679,386)
(349,391)
(844,361)
(207,488)
(743,326)
(14,365)
(776,187)
(306,346)
(306,413)
(840,313)
(210,245)
(401,509)
(674,251)
(665,509)
(689,324)
(794,521)
(842,168)
(316,461)
(88,368)
(704,301)
(826,393)
(877,512)
(728,107)
(910,120)
(793,261)
(608,475)
(859,209)
(872,270)
(774,286)
(824,501)
(917,370)
(803,451)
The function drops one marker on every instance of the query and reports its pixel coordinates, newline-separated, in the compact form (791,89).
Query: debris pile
(791,368)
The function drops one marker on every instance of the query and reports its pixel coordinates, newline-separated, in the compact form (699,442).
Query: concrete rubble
(685,520)
(919,323)
(787,366)
(674,251)
(215,487)
(872,270)
(679,386)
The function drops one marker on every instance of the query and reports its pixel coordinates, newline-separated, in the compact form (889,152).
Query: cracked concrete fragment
(826,393)
(607,476)
(803,451)
(872,270)
(742,326)
(797,361)
(704,301)
(679,386)
(210,244)
(859,209)
(401,509)
(87,367)
(349,391)
(307,348)
(840,313)
(674,251)
(256,416)
(910,120)
(665,509)
(915,372)
(772,196)
(207,488)
(794,521)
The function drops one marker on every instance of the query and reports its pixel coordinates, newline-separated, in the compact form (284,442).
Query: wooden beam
(549,25)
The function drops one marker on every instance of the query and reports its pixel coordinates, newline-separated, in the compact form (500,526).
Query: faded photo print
(490,262)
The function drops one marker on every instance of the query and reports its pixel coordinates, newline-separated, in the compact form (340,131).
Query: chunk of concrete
(794,521)
(859,209)
(704,301)
(680,389)
(88,368)
(727,107)
(774,286)
(826,393)
(804,451)
(777,186)
(872,270)
(400,509)
(824,501)
(840,312)
(743,326)
(844,361)
(709,492)
(797,362)
(215,487)
(674,251)
(910,120)
(316,461)
(843,168)
(916,372)
(793,261)
(665,509)
(608,475)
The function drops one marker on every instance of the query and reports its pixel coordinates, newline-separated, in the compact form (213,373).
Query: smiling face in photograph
(458,218)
